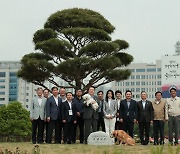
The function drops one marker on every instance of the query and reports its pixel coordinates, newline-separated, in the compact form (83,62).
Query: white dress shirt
(56,100)
(143,104)
(40,100)
(70,105)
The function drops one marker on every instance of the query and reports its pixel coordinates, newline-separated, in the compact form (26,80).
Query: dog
(123,137)
(89,100)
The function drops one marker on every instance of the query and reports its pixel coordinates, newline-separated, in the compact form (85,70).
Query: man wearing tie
(68,118)
(145,117)
(128,113)
(53,113)
(38,116)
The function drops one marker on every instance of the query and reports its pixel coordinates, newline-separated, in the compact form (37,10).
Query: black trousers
(129,127)
(57,125)
(46,128)
(119,125)
(100,123)
(68,132)
(88,123)
(158,126)
(37,125)
(80,124)
(144,128)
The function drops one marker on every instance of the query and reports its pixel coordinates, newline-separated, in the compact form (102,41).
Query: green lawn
(79,148)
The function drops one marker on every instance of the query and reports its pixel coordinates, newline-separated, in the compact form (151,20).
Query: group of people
(64,112)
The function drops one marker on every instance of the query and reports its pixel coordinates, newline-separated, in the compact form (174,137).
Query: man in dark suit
(78,101)
(46,95)
(68,118)
(90,116)
(118,124)
(145,117)
(101,124)
(128,113)
(53,113)
(38,116)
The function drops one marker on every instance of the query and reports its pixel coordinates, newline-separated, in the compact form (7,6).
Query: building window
(132,83)
(12,73)
(142,89)
(2,99)
(158,89)
(137,96)
(159,76)
(27,94)
(137,89)
(143,83)
(27,100)
(2,80)
(127,83)
(2,86)
(132,77)
(151,70)
(137,76)
(140,70)
(27,88)
(159,83)
(159,69)
(2,74)
(2,93)
(132,89)
(143,77)
(137,83)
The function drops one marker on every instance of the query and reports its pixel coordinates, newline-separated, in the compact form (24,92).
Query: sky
(151,27)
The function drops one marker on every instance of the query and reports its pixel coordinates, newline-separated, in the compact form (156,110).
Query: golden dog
(123,137)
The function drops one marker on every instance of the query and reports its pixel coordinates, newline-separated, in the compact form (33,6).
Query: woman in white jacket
(110,110)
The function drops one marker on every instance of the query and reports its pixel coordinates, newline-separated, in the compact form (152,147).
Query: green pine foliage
(73,45)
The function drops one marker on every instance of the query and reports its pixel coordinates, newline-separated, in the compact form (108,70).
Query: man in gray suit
(90,116)
(38,116)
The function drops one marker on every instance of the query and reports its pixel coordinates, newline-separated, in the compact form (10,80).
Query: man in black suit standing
(100,111)
(145,117)
(90,116)
(78,101)
(128,113)
(53,111)
(68,118)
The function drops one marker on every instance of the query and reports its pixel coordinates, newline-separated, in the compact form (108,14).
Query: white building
(144,77)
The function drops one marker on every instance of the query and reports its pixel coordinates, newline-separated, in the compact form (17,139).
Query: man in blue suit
(53,114)
(128,113)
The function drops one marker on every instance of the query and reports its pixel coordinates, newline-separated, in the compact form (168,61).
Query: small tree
(14,120)
(75,44)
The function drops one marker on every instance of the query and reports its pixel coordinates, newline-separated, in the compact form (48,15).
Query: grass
(28,148)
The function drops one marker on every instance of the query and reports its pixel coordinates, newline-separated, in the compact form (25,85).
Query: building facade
(144,77)
(8,82)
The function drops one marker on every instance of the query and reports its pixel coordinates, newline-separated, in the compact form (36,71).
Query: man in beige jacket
(159,118)
(173,110)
